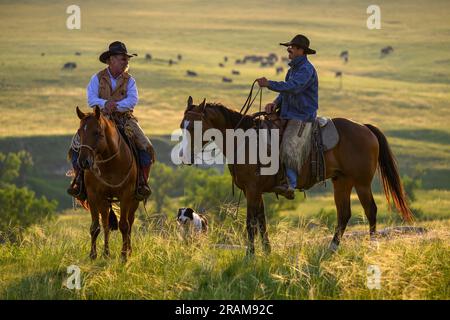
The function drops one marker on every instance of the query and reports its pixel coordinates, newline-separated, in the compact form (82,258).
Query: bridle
(201,116)
(244,110)
(96,170)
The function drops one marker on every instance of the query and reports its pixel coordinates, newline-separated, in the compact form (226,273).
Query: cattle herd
(345,58)
(270,60)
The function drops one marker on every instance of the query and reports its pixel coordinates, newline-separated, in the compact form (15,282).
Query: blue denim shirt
(299,95)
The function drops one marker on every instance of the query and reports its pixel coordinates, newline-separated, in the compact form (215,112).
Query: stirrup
(285,191)
(143,191)
(80,192)
(80,195)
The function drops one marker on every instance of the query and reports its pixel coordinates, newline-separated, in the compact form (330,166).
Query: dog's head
(185,215)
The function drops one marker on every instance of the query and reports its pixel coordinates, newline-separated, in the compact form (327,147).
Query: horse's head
(215,119)
(202,115)
(92,137)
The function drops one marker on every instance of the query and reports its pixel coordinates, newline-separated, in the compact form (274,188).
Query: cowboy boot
(285,190)
(283,187)
(76,188)
(143,190)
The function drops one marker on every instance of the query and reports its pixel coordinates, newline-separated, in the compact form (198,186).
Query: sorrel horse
(352,163)
(110,171)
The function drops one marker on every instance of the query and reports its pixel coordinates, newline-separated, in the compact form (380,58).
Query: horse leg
(127,209)
(370,208)
(95,231)
(131,215)
(104,211)
(252,209)
(342,190)
(261,216)
(124,227)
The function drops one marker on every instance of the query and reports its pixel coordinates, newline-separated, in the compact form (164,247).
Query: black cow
(344,56)
(69,66)
(385,51)
(190,73)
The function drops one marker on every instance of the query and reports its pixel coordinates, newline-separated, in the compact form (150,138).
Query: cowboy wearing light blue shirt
(123,105)
(114,90)
(298,96)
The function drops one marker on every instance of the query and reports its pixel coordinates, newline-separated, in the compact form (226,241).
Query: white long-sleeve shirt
(125,104)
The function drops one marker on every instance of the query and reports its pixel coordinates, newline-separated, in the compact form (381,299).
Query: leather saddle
(324,137)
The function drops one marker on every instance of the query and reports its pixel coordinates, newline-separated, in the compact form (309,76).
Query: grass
(300,267)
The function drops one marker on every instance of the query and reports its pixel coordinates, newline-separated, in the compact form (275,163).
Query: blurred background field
(405,93)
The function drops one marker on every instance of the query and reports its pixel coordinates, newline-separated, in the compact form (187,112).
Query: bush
(19,207)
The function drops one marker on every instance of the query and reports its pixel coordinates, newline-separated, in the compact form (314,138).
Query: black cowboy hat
(115,48)
(300,41)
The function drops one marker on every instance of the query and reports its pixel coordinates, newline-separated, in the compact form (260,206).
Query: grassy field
(406,94)
(161,267)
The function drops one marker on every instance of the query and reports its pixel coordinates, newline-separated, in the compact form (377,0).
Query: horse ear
(190,103)
(80,113)
(97,112)
(203,105)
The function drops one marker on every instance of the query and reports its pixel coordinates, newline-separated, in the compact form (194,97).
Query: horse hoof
(106,254)
(125,255)
(333,247)
(93,256)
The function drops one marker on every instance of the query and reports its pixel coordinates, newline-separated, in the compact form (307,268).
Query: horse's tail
(113,223)
(390,178)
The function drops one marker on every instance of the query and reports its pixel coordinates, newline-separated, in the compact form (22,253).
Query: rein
(244,110)
(96,170)
(247,105)
(249,102)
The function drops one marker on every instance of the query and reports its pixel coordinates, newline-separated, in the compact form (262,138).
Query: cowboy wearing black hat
(114,90)
(297,100)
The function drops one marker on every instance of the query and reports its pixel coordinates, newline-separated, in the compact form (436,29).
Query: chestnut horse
(351,163)
(110,171)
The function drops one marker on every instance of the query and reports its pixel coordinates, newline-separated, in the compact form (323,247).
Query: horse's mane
(232,116)
(91,115)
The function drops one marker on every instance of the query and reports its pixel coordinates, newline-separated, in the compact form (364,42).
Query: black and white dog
(189,219)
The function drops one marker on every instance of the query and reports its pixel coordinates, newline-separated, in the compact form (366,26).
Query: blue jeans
(292,177)
(144,159)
